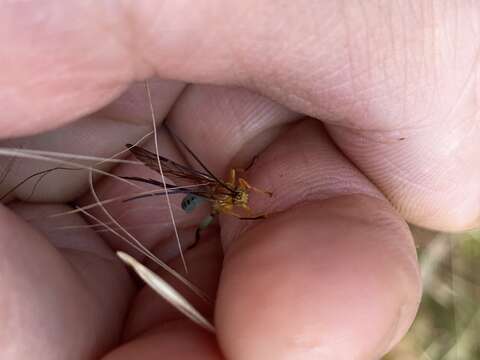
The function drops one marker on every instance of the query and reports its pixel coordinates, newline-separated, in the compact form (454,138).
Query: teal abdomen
(190,202)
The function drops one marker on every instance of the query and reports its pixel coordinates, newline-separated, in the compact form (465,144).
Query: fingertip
(334,279)
(178,339)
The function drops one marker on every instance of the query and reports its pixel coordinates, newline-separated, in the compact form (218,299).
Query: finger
(330,273)
(426,173)
(319,281)
(238,121)
(316,69)
(64,299)
(175,340)
(133,105)
(337,65)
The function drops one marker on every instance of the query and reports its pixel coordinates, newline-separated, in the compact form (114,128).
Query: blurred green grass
(447,326)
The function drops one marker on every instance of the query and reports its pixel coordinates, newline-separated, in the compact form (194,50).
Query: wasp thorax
(241,198)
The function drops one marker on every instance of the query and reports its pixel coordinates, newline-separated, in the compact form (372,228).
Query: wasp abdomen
(190,202)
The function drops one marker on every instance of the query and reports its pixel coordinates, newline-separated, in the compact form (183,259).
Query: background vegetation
(448,324)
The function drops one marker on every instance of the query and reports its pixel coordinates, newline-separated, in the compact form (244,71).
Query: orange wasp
(225,196)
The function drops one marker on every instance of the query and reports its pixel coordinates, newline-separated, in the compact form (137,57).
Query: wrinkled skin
(332,272)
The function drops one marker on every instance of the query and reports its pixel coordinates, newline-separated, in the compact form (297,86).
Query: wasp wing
(177,172)
(203,191)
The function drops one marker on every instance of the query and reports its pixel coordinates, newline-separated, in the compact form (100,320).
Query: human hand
(332,272)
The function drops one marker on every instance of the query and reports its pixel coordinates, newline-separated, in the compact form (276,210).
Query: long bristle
(167,197)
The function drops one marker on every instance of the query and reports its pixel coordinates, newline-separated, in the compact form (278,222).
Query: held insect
(226,197)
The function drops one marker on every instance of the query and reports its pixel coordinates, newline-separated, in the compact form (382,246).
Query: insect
(226,197)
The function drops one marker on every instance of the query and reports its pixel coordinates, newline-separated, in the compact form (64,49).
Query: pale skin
(332,274)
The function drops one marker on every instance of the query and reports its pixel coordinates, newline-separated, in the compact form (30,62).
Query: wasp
(230,197)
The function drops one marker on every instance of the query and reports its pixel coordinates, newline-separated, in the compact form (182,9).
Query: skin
(332,272)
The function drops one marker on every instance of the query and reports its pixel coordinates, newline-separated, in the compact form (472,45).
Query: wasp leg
(241,217)
(254,160)
(244,183)
(202,226)
(232,176)
(249,166)
(258,217)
